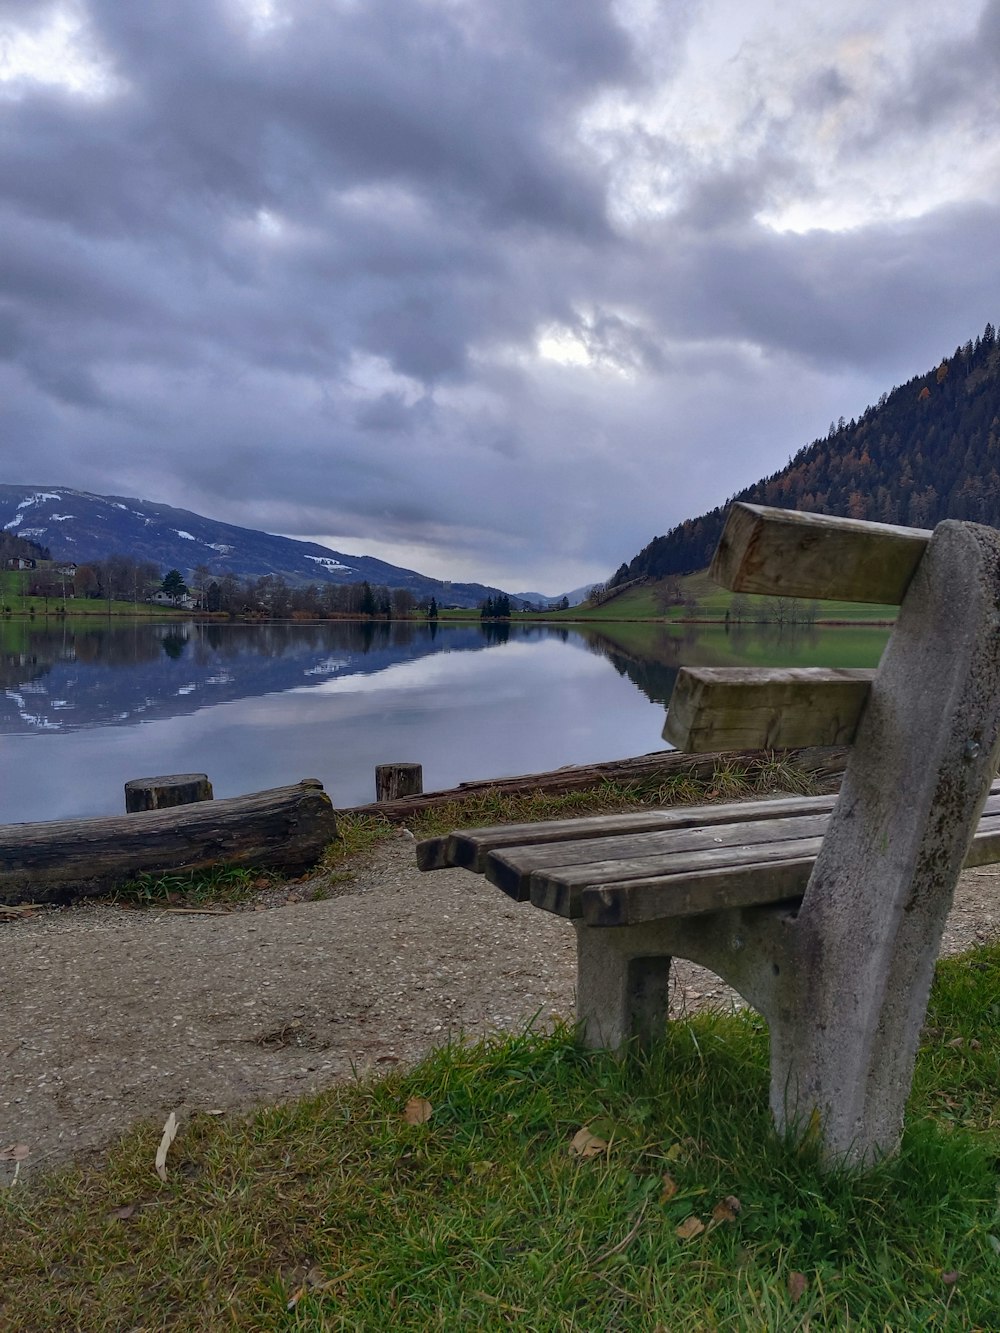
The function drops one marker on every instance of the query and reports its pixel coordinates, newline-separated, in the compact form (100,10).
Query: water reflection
(64,678)
(82,710)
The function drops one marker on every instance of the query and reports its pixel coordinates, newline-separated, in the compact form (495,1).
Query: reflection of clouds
(525,707)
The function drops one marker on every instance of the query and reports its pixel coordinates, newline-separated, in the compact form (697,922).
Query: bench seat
(619,870)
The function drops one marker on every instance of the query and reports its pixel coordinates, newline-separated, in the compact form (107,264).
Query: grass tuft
(335,1212)
(731,780)
(193,888)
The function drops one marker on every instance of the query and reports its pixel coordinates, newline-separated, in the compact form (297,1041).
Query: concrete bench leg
(622,989)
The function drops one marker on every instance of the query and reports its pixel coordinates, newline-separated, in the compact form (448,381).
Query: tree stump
(161,793)
(395,780)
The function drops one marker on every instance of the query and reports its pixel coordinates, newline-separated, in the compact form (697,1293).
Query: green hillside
(705,600)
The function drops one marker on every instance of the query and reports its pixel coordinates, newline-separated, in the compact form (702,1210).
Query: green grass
(731,780)
(15,603)
(710,603)
(193,888)
(336,1213)
(744,645)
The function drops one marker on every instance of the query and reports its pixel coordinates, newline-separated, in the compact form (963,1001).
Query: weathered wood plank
(564,887)
(432,854)
(470,848)
(664,896)
(720,708)
(753,882)
(553,876)
(515,869)
(788,554)
(285,828)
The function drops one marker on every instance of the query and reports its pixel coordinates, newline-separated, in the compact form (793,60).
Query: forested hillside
(926,451)
(12,547)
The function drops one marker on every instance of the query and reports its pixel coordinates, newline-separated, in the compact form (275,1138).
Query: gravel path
(112,1015)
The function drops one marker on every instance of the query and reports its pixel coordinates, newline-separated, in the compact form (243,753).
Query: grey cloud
(433,211)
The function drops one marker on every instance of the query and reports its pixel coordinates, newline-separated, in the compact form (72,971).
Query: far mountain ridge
(82,526)
(928,450)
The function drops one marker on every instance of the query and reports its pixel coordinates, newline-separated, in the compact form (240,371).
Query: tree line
(926,451)
(122,578)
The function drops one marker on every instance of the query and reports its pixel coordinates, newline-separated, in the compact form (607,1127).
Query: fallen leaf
(125,1212)
(690,1227)
(797,1283)
(215,1111)
(587,1144)
(956,1042)
(418,1111)
(950,1278)
(17,1152)
(169,1134)
(669,1187)
(675,1151)
(726,1209)
(994,1244)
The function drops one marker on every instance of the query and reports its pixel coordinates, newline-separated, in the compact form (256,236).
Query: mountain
(78,526)
(543,599)
(926,451)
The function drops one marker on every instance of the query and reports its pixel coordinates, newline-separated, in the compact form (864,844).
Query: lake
(84,709)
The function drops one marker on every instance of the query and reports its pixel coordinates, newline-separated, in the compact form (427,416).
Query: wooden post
(395,780)
(160,793)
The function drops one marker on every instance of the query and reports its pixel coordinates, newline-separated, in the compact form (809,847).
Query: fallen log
(823,765)
(286,828)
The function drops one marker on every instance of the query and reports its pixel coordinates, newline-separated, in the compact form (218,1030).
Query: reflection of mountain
(64,679)
(654,678)
(650,655)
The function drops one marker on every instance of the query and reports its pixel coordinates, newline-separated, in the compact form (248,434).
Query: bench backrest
(926,733)
(785,554)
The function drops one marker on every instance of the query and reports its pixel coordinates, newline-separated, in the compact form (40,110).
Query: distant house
(184,603)
(21,562)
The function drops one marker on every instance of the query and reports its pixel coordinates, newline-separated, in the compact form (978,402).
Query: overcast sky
(493,289)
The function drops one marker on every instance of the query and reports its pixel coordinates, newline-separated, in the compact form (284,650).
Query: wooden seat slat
(513,867)
(750,883)
(697,857)
(752,708)
(469,848)
(561,891)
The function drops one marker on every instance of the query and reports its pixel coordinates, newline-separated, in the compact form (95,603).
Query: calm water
(82,711)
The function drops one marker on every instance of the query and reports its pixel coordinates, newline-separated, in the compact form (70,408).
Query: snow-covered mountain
(77,525)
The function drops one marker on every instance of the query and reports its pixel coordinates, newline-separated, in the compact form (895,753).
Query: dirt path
(110,1015)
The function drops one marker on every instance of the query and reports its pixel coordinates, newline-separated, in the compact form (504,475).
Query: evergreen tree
(173,585)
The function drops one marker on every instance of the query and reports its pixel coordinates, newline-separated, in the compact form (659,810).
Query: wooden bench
(825,913)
